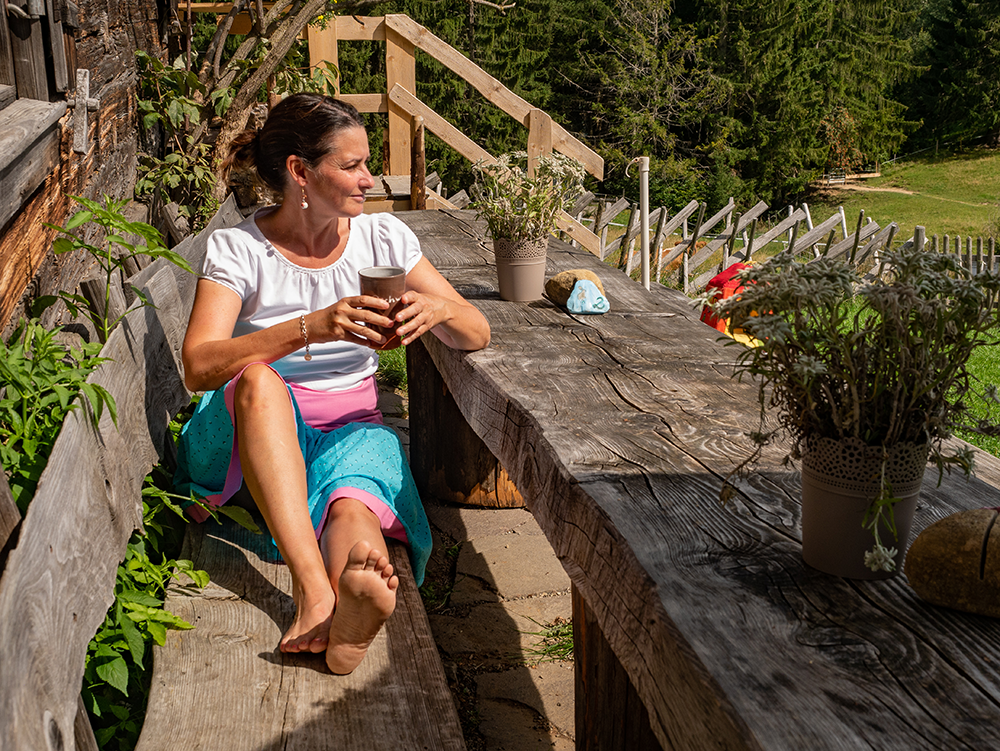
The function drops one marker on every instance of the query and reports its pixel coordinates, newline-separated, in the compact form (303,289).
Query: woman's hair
(301,124)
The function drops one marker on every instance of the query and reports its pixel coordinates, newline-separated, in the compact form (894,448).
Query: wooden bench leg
(448,460)
(610,716)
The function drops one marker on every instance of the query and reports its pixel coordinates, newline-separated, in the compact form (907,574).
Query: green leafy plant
(174,98)
(43,377)
(110,256)
(516,206)
(883,362)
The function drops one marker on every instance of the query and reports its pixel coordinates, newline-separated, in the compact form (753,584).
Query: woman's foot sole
(366,599)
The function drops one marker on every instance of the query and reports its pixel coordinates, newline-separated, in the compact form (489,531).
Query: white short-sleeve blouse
(273,290)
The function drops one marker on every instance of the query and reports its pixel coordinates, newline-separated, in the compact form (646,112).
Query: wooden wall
(109,32)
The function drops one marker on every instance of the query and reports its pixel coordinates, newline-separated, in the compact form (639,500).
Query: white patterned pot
(520,268)
(839,481)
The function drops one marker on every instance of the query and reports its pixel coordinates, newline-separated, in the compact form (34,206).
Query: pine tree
(958,95)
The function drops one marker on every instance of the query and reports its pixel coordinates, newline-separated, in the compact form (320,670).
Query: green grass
(555,642)
(953,195)
(985,366)
(392,368)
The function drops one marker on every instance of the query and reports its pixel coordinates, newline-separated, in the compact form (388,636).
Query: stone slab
(513,565)
(475,523)
(546,688)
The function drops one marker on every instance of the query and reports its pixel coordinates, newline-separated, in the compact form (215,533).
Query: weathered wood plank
(28,53)
(235,690)
(619,431)
(400,70)
(439,126)
(59,580)
(10,518)
(29,150)
(6,60)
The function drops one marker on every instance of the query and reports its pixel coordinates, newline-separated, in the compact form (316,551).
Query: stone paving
(493,584)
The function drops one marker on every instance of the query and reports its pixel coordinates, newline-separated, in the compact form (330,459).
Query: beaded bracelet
(305,337)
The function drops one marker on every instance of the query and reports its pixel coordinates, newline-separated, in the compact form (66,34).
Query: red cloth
(726,285)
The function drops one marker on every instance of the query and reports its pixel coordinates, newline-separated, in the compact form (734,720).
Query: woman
(280,329)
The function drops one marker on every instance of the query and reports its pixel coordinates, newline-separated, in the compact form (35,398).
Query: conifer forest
(746,98)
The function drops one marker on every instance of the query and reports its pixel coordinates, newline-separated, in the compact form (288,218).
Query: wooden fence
(730,235)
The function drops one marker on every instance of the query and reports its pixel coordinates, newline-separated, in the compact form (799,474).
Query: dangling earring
(305,201)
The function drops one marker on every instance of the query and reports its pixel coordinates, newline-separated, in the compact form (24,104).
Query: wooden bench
(222,685)
(696,626)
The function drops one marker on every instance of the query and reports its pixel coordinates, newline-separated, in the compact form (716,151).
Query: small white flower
(881,559)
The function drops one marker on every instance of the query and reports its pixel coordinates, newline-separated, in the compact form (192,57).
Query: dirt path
(833,189)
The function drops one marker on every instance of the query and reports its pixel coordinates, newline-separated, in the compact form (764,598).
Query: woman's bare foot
(310,630)
(366,599)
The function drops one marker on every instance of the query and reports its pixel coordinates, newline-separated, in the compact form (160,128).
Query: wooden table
(618,430)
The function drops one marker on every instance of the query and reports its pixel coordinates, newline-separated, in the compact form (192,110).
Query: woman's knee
(350,510)
(259,387)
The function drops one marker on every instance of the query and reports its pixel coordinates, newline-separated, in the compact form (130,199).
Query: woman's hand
(357,320)
(421,312)
(432,304)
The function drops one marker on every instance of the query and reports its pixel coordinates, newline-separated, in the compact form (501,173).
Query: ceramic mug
(387,283)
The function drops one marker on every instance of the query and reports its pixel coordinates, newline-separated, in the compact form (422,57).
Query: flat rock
(474,523)
(512,727)
(546,688)
(513,565)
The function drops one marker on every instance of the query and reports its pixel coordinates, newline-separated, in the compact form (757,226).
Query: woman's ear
(297,169)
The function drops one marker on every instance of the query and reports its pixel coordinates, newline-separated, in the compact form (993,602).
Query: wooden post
(658,240)
(323,48)
(609,713)
(400,68)
(968,252)
(934,243)
(539,137)
(729,248)
(857,234)
(748,254)
(919,237)
(991,259)
(448,459)
(979,254)
(691,249)
(418,167)
(946,246)
(843,221)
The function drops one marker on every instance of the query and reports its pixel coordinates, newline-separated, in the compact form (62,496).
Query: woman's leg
(275,474)
(363,579)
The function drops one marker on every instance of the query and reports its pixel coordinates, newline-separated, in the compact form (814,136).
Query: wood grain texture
(236,691)
(619,430)
(59,580)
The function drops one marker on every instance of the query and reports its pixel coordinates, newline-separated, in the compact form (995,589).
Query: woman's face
(341,178)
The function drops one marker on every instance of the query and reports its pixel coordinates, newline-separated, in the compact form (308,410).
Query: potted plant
(868,380)
(520,213)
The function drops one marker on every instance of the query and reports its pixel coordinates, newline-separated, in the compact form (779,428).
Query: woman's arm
(212,356)
(432,304)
